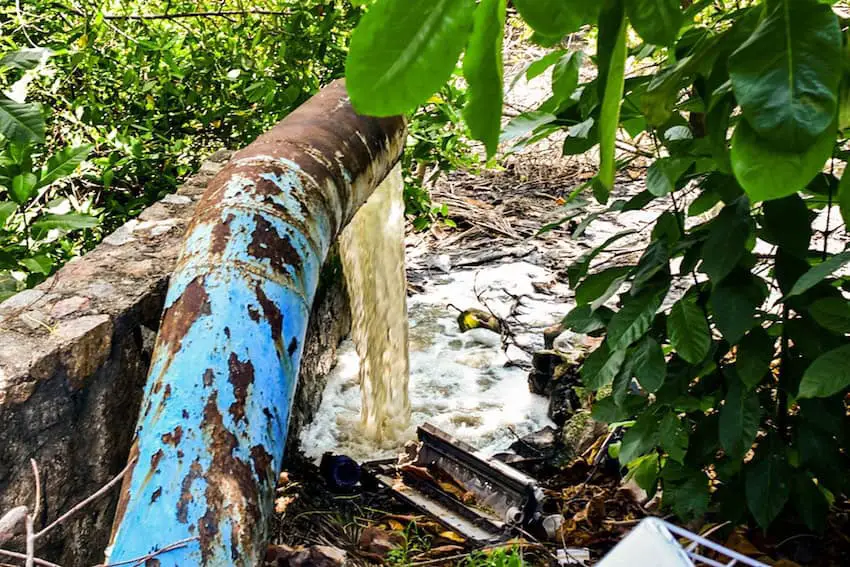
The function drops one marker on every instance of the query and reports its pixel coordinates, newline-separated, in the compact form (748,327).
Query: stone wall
(74,354)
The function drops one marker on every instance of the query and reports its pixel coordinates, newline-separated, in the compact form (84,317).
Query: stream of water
(372,250)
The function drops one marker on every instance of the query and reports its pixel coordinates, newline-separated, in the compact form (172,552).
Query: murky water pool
(463,383)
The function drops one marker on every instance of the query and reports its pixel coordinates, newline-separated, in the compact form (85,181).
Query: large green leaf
(828,375)
(726,242)
(483,70)
(601,285)
(71,221)
(688,330)
(640,438)
(685,490)
(768,488)
(63,163)
(755,353)
(23,187)
(539,67)
(768,172)
(526,123)
(810,502)
(25,59)
(656,21)
(611,58)
(832,313)
(649,365)
(21,122)
(844,196)
(565,75)
(786,75)
(7,209)
(633,321)
(584,319)
(403,51)
(663,174)
(739,420)
(673,437)
(579,268)
(554,18)
(601,366)
(734,302)
(787,221)
(817,274)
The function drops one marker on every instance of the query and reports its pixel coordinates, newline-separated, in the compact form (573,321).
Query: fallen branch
(35,560)
(151,555)
(106,488)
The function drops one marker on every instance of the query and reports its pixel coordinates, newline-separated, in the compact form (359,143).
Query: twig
(106,488)
(30,560)
(30,519)
(139,560)
(182,15)
(23,557)
(35,474)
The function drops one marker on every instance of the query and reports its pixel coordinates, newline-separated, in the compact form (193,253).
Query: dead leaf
(452,536)
(282,503)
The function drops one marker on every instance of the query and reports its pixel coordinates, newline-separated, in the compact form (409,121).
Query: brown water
(372,250)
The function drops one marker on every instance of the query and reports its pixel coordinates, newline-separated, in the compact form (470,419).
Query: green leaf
(727,240)
(649,365)
(23,187)
(656,21)
(640,438)
(767,488)
(686,490)
(832,313)
(526,123)
(565,75)
(21,122)
(786,75)
(539,67)
(688,330)
(579,269)
(633,321)
(740,417)
(817,274)
(663,174)
(755,353)
(645,472)
(607,411)
(611,58)
(63,163)
(601,366)
(787,221)
(40,264)
(601,286)
(770,172)
(733,304)
(673,437)
(483,70)
(7,209)
(844,196)
(810,503)
(828,375)
(65,222)
(24,59)
(584,319)
(403,51)
(556,18)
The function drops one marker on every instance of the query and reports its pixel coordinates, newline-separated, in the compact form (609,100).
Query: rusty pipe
(211,434)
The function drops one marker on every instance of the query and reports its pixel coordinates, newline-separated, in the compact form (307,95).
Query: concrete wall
(74,354)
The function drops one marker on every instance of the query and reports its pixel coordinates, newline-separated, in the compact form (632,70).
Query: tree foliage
(737,391)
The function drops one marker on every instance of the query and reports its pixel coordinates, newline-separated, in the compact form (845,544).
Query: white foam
(458,381)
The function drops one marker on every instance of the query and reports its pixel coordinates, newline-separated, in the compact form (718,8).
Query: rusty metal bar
(211,434)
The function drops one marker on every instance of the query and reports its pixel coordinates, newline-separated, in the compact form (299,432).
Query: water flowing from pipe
(372,250)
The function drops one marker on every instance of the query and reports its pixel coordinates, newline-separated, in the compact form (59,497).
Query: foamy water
(458,381)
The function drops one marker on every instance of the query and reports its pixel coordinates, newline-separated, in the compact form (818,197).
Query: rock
(544,363)
(70,305)
(550,334)
(563,400)
(581,431)
(379,542)
(538,444)
(315,556)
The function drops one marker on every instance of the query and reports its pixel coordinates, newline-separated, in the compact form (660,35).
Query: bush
(736,396)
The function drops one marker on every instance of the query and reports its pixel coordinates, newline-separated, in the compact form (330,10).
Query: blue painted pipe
(212,430)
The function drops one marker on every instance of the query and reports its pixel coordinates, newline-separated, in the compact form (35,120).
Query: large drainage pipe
(211,434)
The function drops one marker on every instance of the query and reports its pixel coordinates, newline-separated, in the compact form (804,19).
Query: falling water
(372,250)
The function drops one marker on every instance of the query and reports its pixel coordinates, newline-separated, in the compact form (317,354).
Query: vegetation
(109,106)
(735,397)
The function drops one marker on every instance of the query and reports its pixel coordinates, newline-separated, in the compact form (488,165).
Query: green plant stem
(781,394)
